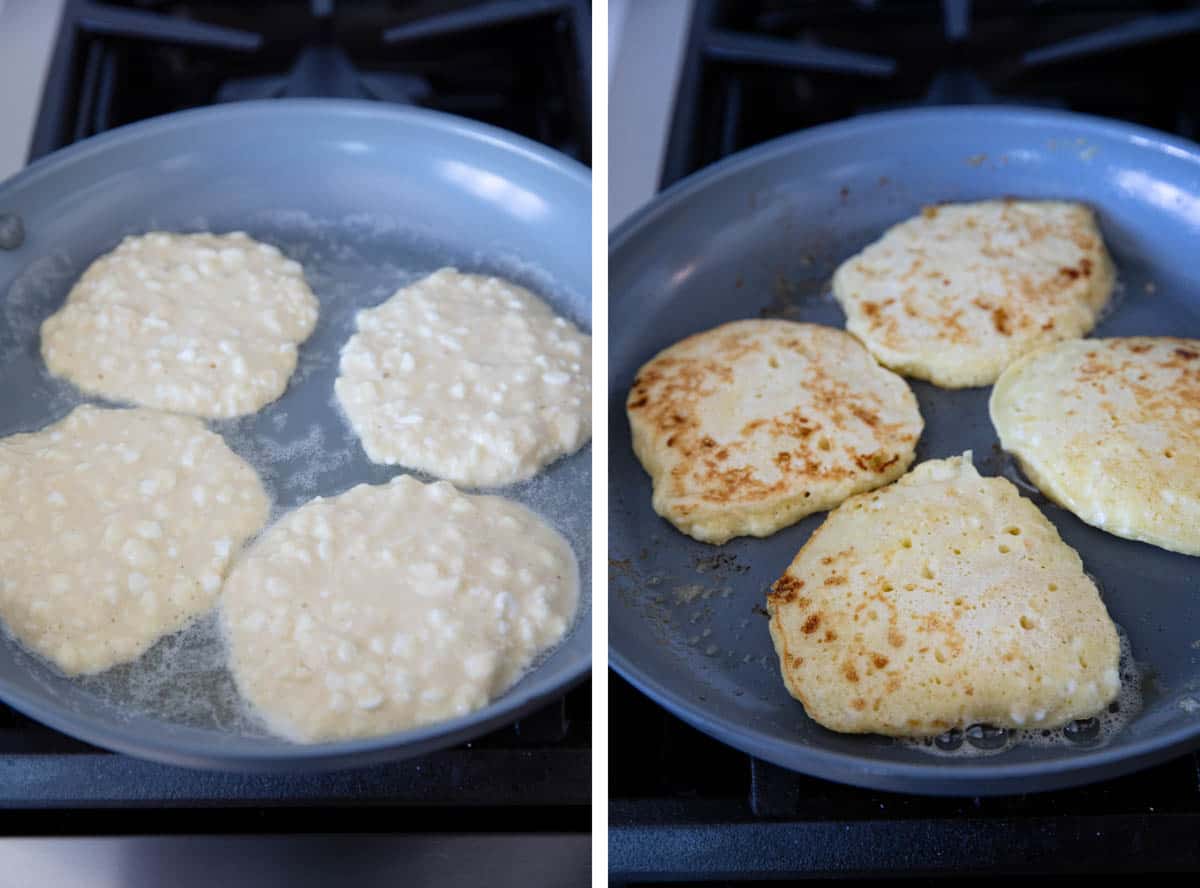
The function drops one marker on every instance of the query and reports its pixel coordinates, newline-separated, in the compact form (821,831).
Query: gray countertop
(646,54)
(27,32)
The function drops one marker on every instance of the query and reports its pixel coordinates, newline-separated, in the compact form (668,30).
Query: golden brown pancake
(748,427)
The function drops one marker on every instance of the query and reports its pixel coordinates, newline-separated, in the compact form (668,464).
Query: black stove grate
(686,807)
(759,69)
(534,775)
(524,65)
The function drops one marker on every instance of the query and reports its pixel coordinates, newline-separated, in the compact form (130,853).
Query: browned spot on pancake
(871,309)
(1139,348)
(1083,241)
(783,459)
(835,580)
(849,671)
(797,662)
(929,212)
(640,402)
(1186,354)
(671,440)
(874,462)
(893,685)
(830,635)
(752,426)
(707,442)
(1049,325)
(870,417)
(723,454)
(812,624)
(955,331)
(786,589)
(738,484)
(859,703)
(1084,270)
(895,639)
(1000,321)
(933,623)
(880,463)
(879,660)
(793,424)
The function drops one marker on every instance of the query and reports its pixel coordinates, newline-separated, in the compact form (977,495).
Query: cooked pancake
(1110,429)
(942,601)
(748,427)
(961,291)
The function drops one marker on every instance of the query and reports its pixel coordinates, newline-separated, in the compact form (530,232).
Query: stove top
(533,776)
(523,65)
(759,69)
(686,807)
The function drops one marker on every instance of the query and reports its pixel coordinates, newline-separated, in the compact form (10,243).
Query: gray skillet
(760,234)
(367,198)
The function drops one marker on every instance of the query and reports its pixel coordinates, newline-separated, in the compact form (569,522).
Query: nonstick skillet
(760,234)
(367,198)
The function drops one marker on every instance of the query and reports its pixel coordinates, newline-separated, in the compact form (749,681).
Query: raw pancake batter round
(118,529)
(944,600)
(393,606)
(469,378)
(193,323)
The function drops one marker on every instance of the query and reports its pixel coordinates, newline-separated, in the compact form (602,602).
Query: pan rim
(256,109)
(1143,136)
(243,754)
(934,778)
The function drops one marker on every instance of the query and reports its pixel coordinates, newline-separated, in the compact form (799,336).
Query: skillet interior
(760,234)
(367,198)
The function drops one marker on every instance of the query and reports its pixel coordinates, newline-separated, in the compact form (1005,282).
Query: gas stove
(524,66)
(512,807)
(685,807)
(756,70)
(534,776)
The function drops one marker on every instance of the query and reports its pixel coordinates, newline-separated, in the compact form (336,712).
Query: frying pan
(367,198)
(761,234)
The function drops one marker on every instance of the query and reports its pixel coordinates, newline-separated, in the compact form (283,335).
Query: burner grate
(543,763)
(756,70)
(684,806)
(524,65)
